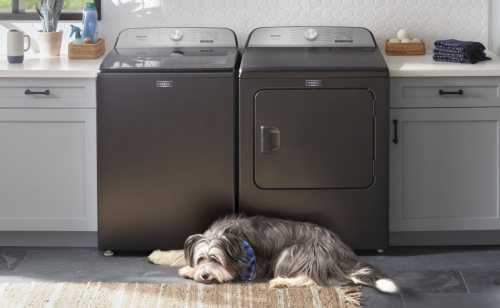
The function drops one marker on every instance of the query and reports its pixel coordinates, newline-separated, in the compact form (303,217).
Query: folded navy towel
(443,49)
(459,51)
(460,44)
(456,58)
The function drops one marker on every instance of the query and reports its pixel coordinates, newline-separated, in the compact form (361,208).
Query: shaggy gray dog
(291,254)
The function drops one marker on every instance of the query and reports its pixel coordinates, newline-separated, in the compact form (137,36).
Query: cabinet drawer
(47,93)
(445,92)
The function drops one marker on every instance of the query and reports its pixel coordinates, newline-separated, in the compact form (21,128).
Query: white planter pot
(50,43)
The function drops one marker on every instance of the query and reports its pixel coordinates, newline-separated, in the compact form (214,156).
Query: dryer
(314,127)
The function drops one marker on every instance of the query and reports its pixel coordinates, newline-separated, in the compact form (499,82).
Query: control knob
(311,34)
(176,35)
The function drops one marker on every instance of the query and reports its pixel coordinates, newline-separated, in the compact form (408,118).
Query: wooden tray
(86,51)
(404,49)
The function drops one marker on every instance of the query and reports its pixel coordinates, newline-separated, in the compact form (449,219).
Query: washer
(166,110)
(314,127)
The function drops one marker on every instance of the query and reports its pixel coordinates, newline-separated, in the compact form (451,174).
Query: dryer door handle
(265,139)
(269,139)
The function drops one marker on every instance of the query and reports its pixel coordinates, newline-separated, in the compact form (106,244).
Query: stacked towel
(459,51)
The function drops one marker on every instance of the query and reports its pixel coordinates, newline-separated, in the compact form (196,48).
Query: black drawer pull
(395,140)
(28,92)
(460,92)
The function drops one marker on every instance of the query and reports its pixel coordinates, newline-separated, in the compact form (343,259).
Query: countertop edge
(49,74)
(400,74)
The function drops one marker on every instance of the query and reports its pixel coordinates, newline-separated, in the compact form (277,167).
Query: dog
(291,254)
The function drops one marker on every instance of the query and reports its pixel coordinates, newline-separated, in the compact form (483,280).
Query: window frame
(19,14)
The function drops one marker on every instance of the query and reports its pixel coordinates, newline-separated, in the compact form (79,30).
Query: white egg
(403,34)
(416,40)
(394,40)
(406,41)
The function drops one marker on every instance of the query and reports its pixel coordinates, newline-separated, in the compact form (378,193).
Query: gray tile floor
(455,277)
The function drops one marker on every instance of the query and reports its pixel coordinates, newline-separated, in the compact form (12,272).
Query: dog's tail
(171,257)
(373,277)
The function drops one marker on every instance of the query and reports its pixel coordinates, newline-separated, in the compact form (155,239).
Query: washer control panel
(311,37)
(176,37)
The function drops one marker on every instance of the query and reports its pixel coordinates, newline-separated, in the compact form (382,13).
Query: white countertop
(54,67)
(425,66)
(399,66)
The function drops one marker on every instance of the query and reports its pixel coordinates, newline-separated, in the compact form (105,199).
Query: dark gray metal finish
(444,238)
(296,62)
(326,137)
(358,215)
(165,157)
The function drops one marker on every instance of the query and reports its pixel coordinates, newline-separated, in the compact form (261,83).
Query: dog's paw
(171,257)
(187,272)
(279,283)
(156,256)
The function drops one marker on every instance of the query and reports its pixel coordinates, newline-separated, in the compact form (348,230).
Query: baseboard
(49,238)
(444,238)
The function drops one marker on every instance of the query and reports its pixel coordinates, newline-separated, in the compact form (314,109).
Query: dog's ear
(189,247)
(231,245)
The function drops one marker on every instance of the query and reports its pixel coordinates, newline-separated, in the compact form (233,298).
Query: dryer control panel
(311,37)
(176,37)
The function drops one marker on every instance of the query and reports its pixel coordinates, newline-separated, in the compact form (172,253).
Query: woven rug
(103,295)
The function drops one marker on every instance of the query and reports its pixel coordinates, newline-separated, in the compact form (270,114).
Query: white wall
(425,19)
(495,27)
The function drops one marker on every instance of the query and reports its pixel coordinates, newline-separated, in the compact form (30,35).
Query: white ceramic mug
(15,46)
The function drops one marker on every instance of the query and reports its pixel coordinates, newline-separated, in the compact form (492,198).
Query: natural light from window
(69,5)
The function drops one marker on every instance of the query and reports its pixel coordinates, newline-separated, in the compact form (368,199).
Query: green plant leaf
(57,12)
(49,12)
(42,17)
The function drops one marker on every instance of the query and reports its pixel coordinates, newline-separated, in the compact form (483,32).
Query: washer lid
(170,59)
(173,49)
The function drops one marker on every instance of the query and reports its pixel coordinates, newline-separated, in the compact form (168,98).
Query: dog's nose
(205,276)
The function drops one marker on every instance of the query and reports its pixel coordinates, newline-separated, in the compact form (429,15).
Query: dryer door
(314,138)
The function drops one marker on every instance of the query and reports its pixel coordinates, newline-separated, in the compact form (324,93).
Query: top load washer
(314,127)
(166,114)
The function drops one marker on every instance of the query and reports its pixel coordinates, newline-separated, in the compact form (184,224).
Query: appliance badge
(313,83)
(164,84)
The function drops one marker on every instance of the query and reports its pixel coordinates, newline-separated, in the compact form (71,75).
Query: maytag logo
(313,83)
(164,84)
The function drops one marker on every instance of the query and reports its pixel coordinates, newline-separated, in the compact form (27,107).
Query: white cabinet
(444,169)
(48,162)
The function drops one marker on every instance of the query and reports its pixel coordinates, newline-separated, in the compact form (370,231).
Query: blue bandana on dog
(250,262)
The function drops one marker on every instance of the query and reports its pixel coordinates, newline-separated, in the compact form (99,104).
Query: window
(26,10)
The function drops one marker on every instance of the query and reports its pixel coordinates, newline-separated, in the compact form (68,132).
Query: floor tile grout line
(465,282)
(403,298)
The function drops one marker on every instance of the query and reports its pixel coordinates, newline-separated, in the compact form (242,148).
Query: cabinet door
(444,169)
(48,170)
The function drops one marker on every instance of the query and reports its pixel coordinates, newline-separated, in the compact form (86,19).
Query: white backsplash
(425,19)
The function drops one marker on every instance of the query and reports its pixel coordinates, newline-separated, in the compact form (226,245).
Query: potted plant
(49,40)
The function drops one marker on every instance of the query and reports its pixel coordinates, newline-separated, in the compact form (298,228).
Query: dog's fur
(292,254)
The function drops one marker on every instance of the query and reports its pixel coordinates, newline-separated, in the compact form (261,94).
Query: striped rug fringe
(175,295)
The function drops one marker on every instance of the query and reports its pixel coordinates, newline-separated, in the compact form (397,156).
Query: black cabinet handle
(395,140)
(460,92)
(28,92)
